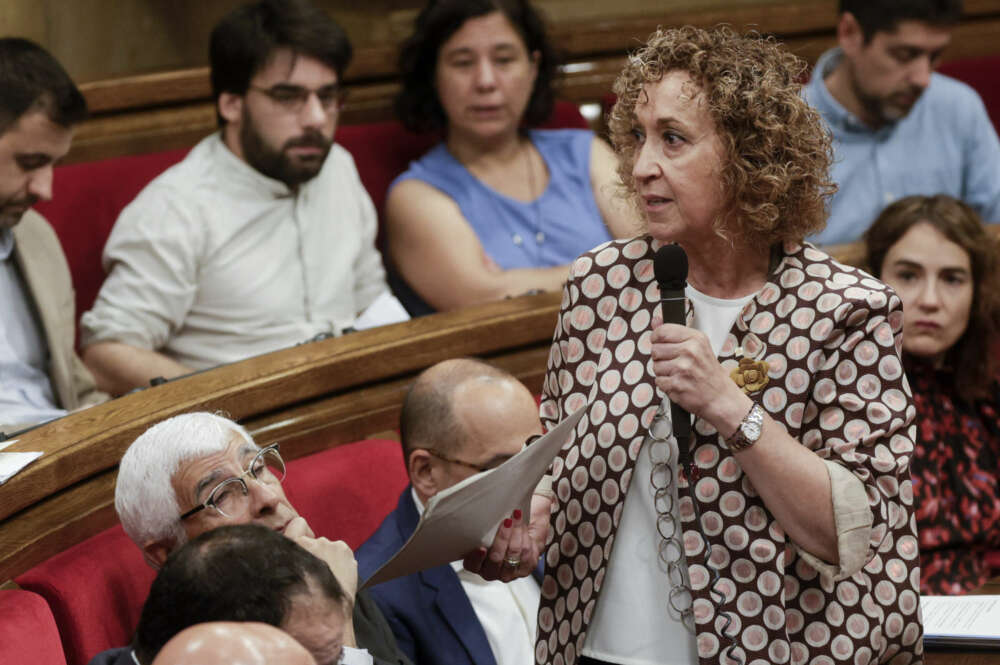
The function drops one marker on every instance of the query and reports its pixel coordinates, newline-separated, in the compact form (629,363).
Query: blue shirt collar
(6,244)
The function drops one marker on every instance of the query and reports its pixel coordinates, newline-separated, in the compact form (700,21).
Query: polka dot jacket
(831,337)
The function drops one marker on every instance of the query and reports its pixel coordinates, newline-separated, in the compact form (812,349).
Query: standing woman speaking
(787,536)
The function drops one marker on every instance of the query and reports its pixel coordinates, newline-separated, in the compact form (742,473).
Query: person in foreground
(195,472)
(263,237)
(936,254)
(783,531)
(233,643)
(497,209)
(246,572)
(899,128)
(459,418)
(41,377)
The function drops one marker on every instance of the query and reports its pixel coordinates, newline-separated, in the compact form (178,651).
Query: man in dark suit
(460,417)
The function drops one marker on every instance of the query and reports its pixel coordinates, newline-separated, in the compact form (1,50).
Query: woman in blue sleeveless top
(495,209)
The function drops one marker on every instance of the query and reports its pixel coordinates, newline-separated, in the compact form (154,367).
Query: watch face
(752,425)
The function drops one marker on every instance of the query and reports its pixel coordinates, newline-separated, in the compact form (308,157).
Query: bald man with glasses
(461,417)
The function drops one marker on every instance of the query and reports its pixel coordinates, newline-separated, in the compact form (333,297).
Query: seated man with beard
(263,236)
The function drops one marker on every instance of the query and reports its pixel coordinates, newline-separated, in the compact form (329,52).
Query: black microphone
(670,265)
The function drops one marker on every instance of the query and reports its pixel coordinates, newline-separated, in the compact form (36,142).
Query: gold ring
(512,562)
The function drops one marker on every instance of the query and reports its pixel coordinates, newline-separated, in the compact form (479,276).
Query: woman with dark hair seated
(496,209)
(937,255)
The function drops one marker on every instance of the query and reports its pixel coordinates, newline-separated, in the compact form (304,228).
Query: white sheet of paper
(4,444)
(385,309)
(466,515)
(962,620)
(11,463)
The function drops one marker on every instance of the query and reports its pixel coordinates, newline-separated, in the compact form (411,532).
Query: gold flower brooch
(751,375)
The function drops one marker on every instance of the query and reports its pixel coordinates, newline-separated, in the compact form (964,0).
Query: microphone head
(670,265)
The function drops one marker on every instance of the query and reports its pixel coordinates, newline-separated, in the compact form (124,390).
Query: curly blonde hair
(777,153)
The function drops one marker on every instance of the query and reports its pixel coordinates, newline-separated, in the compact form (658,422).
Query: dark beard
(275,163)
(881,109)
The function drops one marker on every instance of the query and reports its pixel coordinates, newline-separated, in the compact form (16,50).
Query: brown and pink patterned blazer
(831,336)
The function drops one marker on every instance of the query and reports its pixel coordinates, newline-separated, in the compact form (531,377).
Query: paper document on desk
(12,463)
(961,621)
(466,515)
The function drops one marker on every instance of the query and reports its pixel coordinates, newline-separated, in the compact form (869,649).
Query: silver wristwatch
(749,430)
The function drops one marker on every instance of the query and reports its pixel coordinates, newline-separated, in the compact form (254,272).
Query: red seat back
(86,201)
(96,588)
(345,492)
(28,633)
(983,74)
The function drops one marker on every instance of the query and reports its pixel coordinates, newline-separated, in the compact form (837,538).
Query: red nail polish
(517,514)
(507,523)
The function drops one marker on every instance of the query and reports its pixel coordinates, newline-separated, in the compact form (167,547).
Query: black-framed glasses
(231,497)
(293,98)
(491,464)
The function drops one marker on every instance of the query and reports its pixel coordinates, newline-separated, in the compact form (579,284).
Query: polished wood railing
(309,397)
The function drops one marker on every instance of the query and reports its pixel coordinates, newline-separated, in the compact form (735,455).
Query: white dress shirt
(214,262)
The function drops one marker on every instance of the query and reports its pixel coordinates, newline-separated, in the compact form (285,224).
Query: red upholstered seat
(86,201)
(96,588)
(28,632)
(982,74)
(345,492)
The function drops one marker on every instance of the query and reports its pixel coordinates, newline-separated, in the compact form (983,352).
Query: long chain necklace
(516,237)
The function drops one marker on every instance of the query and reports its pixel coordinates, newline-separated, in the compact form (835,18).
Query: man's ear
(850,35)
(421,471)
(155,552)
(230,107)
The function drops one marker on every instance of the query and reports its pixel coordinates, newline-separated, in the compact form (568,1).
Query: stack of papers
(966,621)
(11,463)
(466,515)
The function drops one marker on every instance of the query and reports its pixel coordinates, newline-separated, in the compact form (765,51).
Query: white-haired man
(194,472)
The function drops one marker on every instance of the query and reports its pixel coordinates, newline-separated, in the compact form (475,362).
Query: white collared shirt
(215,262)
(507,611)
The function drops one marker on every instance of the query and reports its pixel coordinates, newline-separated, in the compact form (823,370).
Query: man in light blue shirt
(899,128)
(40,374)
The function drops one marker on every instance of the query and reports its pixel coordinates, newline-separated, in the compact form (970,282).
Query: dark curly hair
(418,106)
(775,176)
(975,366)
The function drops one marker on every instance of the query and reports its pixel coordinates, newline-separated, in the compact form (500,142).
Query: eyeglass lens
(231,498)
(294,97)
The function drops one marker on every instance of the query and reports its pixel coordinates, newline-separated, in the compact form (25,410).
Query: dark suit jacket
(429,613)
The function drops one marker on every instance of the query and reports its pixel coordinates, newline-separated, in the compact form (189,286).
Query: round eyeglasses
(231,497)
(293,98)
